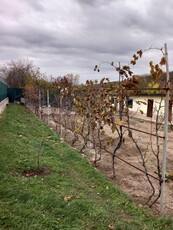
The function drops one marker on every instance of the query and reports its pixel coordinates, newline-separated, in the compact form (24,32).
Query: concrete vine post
(39,102)
(89,125)
(60,114)
(48,112)
(165,133)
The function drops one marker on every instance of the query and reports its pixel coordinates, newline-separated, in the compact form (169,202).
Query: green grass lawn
(74,196)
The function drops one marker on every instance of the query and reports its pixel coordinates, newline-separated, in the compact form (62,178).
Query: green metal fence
(3,91)
(14,94)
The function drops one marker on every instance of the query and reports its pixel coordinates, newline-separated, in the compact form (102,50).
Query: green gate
(15,94)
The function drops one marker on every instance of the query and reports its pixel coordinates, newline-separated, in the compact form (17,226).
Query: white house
(147,105)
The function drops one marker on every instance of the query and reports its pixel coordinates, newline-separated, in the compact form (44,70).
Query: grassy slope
(38,202)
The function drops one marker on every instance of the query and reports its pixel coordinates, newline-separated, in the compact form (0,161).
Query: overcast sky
(71,36)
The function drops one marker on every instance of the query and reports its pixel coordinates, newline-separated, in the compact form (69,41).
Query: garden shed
(149,104)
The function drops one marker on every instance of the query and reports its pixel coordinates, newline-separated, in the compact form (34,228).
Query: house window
(130,103)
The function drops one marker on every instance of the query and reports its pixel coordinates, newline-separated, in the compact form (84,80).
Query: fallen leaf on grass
(68,198)
(93,186)
(90,163)
(126,203)
(111,226)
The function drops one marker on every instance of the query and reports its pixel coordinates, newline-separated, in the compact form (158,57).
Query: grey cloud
(94,3)
(64,36)
(36,5)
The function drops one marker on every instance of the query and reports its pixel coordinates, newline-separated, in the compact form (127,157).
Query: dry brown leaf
(142,112)
(111,226)
(119,122)
(90,163)
(93,186)
(163,61)
(68,198)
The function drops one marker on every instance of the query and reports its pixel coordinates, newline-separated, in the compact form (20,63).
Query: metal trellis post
(165,133)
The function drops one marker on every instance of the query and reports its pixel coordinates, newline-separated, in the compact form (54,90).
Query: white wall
(3,104)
